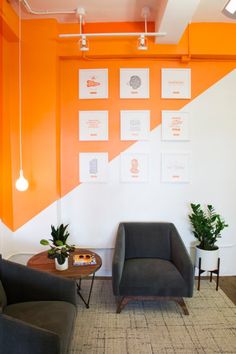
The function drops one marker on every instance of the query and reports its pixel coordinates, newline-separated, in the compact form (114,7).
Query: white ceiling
(170,16)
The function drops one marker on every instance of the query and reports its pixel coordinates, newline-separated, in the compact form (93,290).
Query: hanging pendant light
(21,184)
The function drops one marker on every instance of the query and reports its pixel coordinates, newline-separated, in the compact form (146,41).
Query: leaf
(44,242)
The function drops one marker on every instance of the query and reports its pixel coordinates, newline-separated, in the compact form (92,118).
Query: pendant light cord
(20,83)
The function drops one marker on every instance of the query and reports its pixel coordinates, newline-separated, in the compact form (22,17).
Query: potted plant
(59,249)
(207,226)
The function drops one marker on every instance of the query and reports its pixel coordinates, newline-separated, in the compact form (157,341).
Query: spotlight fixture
(142,40)
(21,184)
(83,43)
(142,43)
(230,9)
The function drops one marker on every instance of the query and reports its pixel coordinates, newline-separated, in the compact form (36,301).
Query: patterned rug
(155,327)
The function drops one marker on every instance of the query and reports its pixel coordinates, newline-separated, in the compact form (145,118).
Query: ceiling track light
(80,12)
(142,36)
(21,184)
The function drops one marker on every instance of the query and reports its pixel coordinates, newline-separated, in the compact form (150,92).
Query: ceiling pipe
(45,12)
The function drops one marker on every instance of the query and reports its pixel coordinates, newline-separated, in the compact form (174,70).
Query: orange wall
(50,101)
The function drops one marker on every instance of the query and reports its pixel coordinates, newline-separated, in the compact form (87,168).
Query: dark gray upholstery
(40,312)
(150,259)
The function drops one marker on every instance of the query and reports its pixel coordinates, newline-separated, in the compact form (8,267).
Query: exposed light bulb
(22,184)
(142,43)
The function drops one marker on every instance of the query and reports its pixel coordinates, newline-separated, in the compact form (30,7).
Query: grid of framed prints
(134,124)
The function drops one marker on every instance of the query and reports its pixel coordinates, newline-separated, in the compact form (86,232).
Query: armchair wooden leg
(121,304)
(182,304)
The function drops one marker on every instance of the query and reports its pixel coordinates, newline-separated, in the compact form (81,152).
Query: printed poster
(93,167)
(175,125)
(135,125)
(93,125)
(93,83)
(134,167)
(175,167)
(176,83)
(134,83)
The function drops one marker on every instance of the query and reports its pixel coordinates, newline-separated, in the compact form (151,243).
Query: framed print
(176,83)
(175,125)
(93,83)
(134,125)
(134,167)
(134,83)
(93,167)
(93,125)
(175,167)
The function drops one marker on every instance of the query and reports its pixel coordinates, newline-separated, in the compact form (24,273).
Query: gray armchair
(151,262)
(37,310)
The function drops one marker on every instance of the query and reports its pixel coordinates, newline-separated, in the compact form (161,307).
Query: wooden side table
(41,262)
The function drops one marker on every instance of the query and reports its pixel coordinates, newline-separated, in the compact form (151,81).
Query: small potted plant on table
(207,226)
(59,249)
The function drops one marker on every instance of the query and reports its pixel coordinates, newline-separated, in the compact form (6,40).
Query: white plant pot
(63,266)
(209,259)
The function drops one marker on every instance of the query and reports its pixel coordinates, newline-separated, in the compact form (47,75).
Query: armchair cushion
(151,277)
(141,240)
(54,316)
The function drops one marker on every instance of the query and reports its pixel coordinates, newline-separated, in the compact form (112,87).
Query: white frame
(130,169)
(134,125)
(93,167)
(175,167)
(176,83)
(175,126)
(134,83)
(93,125)
(95,76)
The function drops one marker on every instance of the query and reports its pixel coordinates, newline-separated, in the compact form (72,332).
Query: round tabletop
(41,262)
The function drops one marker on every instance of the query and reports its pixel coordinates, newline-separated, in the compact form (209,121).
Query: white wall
(94,210)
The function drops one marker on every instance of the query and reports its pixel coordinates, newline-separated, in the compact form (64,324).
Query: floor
(228,285)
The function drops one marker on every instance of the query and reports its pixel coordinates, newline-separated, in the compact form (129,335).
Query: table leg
(90,291)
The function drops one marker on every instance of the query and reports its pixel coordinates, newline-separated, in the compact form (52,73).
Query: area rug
(155,327)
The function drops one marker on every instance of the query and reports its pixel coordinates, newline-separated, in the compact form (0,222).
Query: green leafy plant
(59,248)
(207,226)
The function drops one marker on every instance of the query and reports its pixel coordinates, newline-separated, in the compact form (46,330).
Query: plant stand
(215,271)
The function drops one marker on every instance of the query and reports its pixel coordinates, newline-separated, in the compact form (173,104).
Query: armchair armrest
(181,259)
(118,259)
(25,284)
(19,337)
